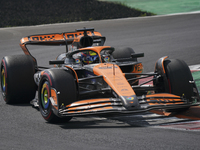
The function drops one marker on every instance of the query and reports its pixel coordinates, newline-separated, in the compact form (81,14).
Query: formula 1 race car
(92,79)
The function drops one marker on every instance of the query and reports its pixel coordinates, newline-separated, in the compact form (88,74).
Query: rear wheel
(63,83)
(17,83)
(136,68)
(124,53)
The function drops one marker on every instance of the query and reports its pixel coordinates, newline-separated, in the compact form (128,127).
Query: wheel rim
(45,95)
(3,80)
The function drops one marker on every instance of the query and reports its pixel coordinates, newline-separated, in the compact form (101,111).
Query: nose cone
(130,102)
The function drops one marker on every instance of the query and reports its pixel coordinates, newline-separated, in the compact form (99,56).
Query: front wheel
(175,78)
(179,78)
(60,86)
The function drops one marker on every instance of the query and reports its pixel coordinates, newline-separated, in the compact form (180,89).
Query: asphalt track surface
(176,36)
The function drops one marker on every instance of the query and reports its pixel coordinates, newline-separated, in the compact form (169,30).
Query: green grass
(125,4)
(162,6)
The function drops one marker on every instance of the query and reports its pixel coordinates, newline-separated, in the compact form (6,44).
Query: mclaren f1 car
(92,79)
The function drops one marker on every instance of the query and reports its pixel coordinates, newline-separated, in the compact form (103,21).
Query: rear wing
(81,38)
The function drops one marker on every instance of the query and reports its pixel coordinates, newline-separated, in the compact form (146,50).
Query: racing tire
(124,53)
(64,83)
(17,82)
(178,76)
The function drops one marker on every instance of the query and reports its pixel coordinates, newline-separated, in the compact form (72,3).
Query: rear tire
(124,53)
(64,83)
(17,82)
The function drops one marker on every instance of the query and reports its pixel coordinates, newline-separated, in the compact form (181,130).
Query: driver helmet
(89,57)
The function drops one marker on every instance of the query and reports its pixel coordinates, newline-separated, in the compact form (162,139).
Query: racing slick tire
(64,84)
(17,82)
(179,75)
(124,53)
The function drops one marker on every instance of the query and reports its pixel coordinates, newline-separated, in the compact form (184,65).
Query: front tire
(63,82)
(179,77)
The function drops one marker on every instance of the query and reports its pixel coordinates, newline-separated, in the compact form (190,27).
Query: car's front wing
(115,105)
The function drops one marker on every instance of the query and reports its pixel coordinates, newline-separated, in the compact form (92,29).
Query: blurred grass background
(162,7)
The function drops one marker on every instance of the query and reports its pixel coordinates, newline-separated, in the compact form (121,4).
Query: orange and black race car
(91,79)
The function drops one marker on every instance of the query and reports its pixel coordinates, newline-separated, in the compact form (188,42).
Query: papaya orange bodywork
(54,96)
(174,99)
(114,77)
(138,68)
(87,101)
(88,106)
(59,38)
